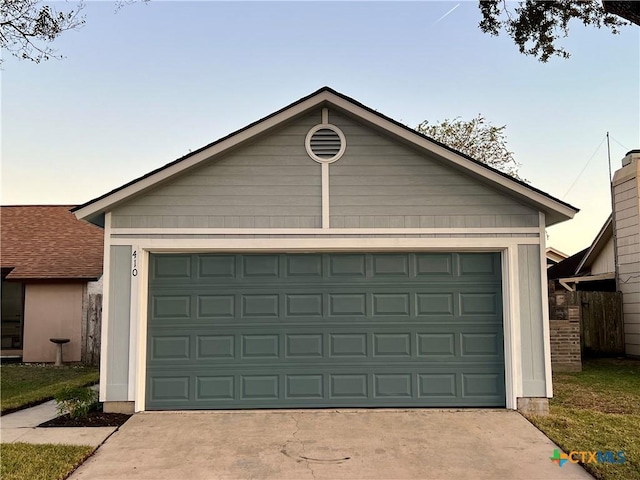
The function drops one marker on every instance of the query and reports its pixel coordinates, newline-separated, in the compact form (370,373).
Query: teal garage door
(325,330)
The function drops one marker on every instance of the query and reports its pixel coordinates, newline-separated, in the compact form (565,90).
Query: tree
(27,27)
(476,138)
(536,26)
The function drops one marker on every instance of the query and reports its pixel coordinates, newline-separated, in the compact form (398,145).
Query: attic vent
(325,143)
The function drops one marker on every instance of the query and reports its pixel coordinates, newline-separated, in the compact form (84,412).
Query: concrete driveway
(328,444)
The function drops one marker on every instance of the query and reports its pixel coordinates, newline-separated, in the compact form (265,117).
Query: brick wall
(564,329)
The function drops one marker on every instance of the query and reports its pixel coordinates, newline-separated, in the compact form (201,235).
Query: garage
(320,330)
(325,256)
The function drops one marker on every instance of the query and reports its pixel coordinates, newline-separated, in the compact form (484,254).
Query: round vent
(325,143)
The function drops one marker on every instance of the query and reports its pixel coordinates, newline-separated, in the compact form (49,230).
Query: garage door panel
(434,265)
(216,306)
(215,347)
(334,344)
(295,388)
(172,268)
(216,267)
(217,388)
(478,264)
(305,386)
(318,330)
(339,268)
(304,345)
(303,267)
(305,307)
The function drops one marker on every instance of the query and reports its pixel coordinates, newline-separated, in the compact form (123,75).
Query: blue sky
(143,86)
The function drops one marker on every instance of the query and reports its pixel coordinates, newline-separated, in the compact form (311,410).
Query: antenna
(609,159)
(613,218)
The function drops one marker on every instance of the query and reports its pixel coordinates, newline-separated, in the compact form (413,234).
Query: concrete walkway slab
(29,417)
(11,435)
(370,444)
(93,436)
(22,426)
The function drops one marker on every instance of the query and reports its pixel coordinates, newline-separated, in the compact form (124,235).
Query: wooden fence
(91,330)
(601,323)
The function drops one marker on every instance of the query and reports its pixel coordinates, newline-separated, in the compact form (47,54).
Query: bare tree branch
(27,27)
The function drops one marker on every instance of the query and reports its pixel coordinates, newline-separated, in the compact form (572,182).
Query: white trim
(133,319)
(556,209)
(104,327)
(323,244)
(324,230)
(141,374)
(544,294)
(588,278)
(511,311)
(510,289)
(326,219)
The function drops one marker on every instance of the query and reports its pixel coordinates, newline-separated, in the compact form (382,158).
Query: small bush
(77,402)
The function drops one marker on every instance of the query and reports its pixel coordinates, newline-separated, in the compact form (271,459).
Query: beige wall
(626,190)
(52,311)
(603,263)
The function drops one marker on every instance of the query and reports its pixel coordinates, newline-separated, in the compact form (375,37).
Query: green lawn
(24,461)
(23,384)
(598,409)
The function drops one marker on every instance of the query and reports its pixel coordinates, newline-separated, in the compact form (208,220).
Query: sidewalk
(22,426)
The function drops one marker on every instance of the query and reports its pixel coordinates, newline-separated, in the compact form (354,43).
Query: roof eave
(598,244)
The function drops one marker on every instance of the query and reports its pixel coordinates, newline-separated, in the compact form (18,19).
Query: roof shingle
(48,242)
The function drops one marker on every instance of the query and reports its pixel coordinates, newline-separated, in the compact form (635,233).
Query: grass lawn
(598,409)
(23,384)
(24,461)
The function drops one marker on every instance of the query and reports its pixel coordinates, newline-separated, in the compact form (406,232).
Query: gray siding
(627,205)
(380,183)
(271,183)
(118,326)
(531,331)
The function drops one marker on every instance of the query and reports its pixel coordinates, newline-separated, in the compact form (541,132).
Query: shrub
(77,402)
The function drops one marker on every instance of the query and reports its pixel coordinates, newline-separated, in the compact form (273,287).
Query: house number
(134,270)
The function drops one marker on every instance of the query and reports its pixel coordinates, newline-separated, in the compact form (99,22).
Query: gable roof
(48,242)
(604,235)
(567,267)
(554,255)
(555,210)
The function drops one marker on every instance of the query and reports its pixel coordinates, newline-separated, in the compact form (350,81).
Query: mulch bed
(93,419)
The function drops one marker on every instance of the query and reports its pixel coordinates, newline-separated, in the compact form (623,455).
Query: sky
(146,84)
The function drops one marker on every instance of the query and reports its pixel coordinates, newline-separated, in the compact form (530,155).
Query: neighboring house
(50,263)
(325,256)
(613,261)
(626,195)
(554,256)
(591,269)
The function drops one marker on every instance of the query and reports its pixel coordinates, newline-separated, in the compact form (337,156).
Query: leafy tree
(27,27)
(476,138)
(536,26)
